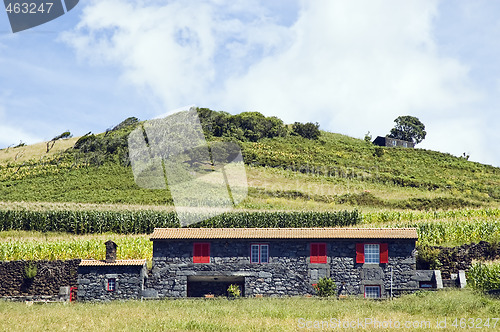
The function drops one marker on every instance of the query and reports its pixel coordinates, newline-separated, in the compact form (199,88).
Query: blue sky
(352,66)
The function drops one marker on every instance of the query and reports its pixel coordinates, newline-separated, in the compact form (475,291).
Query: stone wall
(351,277)
(50,276)
(92,282)
(288,272)
(454,259)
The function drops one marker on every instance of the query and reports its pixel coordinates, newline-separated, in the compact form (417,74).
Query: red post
(72,291)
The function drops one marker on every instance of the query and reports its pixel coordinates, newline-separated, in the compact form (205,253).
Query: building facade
(392,142)
(282,261)
(112,280)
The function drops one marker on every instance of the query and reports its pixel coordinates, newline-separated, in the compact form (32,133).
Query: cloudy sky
(353,66)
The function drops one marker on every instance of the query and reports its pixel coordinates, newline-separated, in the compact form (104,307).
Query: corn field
(484,276)
(445,228)
(395,216)
(135,247)
(458,232)
(140,222)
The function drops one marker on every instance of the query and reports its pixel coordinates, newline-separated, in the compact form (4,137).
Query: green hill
(285,171)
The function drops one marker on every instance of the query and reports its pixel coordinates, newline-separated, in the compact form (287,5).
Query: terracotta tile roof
(283,233)
(121,262)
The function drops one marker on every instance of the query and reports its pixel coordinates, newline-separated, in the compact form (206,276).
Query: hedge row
(139,222)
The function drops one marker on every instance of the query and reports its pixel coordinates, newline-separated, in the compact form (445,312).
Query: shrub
(246,126)
(30,271)
(379,152)
(307,130)
(325,287)
(234,291)
(427,258)
(368,137)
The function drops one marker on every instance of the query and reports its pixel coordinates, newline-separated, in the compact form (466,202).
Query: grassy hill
(284,173)
(85,185)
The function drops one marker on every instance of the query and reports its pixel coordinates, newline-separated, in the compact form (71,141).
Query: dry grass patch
(34,151)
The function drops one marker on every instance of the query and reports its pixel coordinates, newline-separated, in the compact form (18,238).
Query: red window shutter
(322,253)
(201,253)
(360,252)
(314,253)
(206,253)
(384,253)
(197,253)
(318,253)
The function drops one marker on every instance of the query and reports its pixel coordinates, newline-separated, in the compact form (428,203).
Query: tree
(307,130)
(408,128)
(64,135)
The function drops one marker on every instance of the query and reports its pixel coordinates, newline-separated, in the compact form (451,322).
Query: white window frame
(262,255)
(372,291)
(372,253)
(111,284)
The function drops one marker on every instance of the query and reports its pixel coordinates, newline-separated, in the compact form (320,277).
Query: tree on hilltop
(408,128)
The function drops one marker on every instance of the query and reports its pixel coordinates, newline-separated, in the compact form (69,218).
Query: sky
(352,66)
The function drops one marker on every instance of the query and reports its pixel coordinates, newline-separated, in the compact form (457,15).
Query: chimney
(110,251)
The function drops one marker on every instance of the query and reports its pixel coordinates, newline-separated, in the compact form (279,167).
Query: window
(405,144)
(201,253)
(111,285)
(259,253)
(372,292)
(372,253)
(394,143)
(318,253)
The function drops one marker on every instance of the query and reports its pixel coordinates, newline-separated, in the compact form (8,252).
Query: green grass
(251,314)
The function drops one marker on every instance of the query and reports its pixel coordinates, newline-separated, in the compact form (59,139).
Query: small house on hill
(392,142)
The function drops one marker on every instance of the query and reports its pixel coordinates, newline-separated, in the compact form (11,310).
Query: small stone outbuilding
(102,281)
(392,142)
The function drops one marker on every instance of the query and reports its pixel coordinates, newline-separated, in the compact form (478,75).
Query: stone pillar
(461,278)
(110,251)
(439,281)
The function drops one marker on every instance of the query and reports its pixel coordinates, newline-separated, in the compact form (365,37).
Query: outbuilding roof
(283,233)
(121,262)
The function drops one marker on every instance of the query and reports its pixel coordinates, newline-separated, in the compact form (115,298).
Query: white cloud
(356,68)
(353,66)
(9,134)
(177,50)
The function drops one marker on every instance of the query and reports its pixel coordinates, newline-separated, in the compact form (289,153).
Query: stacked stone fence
(454,259)
(50,276)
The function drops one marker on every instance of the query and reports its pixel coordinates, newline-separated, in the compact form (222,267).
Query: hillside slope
(285,172)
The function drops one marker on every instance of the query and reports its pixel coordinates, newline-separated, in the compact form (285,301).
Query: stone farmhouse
(194,262)
(392,142)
